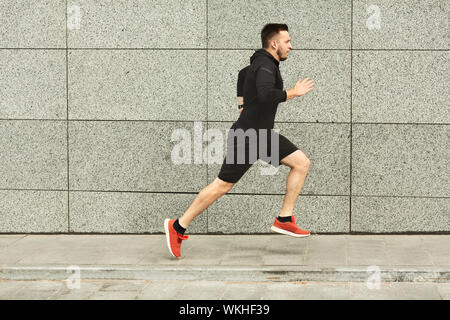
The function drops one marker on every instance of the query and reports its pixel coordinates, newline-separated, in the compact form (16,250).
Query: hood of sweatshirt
(263,52)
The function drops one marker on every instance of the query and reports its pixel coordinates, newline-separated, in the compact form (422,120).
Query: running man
(262,92)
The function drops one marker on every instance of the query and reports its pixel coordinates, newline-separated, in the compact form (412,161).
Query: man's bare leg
(299,164)
(204,199)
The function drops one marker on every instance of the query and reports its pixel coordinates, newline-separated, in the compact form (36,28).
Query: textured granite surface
(95,96)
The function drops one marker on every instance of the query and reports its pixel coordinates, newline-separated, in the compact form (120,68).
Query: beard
(280,56)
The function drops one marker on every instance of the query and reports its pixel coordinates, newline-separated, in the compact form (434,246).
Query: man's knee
(297,160)
(302,163)
(306,163)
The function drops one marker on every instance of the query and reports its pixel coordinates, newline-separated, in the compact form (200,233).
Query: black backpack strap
(240,83)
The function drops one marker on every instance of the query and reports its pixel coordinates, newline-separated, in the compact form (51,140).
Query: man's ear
(278,42)
(274,42)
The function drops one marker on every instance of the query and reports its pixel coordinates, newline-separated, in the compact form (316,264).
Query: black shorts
(239,143)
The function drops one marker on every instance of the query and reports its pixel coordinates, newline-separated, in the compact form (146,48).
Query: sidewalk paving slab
(219,290)
(261,257)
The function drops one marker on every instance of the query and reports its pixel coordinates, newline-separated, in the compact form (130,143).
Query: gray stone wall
(92,91)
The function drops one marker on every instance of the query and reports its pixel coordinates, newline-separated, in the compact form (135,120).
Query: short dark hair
(270,30)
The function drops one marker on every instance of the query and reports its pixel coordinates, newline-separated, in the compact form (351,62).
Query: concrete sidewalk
(271,257)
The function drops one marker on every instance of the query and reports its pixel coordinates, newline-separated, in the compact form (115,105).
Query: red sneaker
(289,228)
(173,238)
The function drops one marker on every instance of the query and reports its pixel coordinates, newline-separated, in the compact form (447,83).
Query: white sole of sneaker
(278,230)
(166,229)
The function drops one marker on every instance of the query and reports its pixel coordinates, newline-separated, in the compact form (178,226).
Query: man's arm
(301,88)
(266,91)
(265,86)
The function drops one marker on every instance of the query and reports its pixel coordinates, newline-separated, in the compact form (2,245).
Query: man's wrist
(291,93)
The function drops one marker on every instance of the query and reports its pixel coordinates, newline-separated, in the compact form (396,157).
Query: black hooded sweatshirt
(261,85)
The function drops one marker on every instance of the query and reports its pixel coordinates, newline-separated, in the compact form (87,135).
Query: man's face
(283,42)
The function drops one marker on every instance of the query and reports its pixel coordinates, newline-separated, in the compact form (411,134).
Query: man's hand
(240,102)
(301,88)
